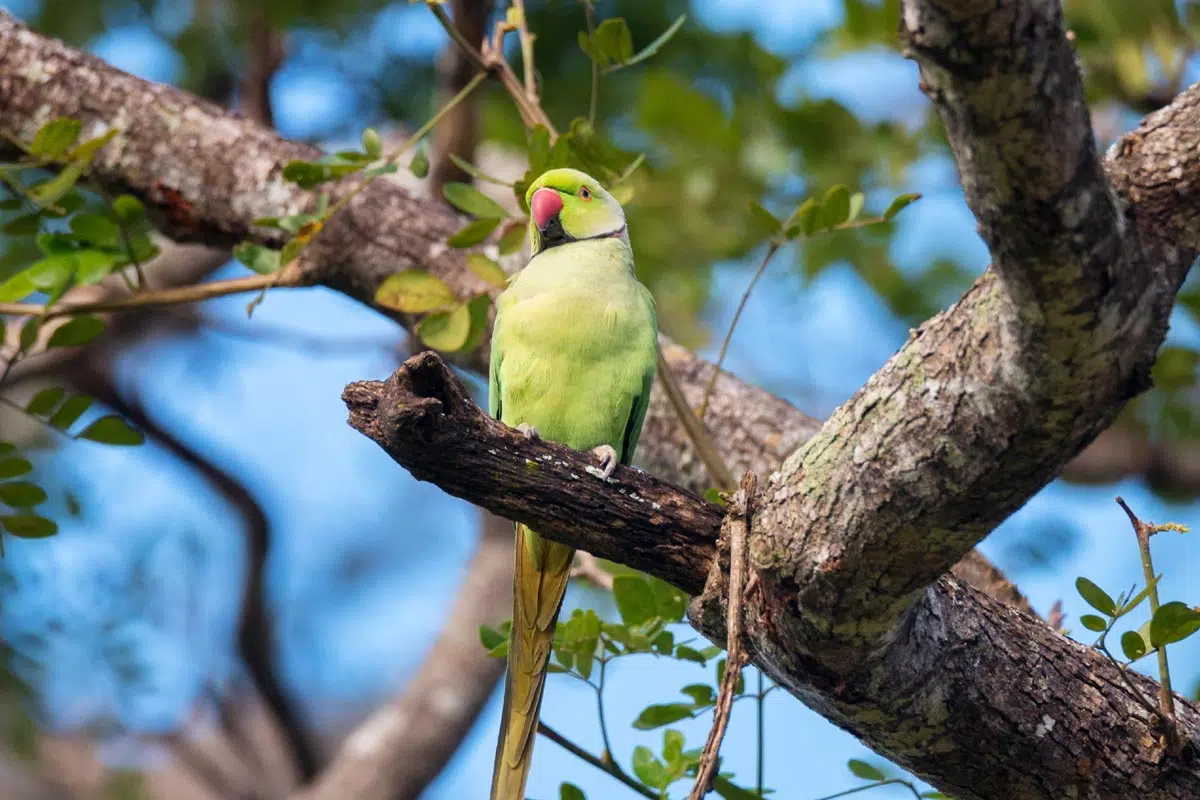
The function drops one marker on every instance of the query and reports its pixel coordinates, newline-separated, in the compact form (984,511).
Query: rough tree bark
(926,675)
(978,698)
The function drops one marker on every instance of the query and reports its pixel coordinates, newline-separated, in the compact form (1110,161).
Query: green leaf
(6,447)
(29,333)
(77,331)
(865,771)
(84,152)
(52,271)
(1175,368)
(469,200)
(49,192)
(382,169)
(129,208)
(512,240)
(1096,597)
(808,216)
(14,467)
(21,494)
(670,602)
(835,207)
(29,526)
(95,229)
(418,165)
(112,429)
(1093,623)
(414,291)
(539,148)
(648,768)
(25,225)
(701,693)
(18,287)
(932,795)
(767,221)
(70,411)
(310,174)
(612,37)
(899,203)
(856,205)
(477,307)
(593,52)
(46,400)
(292,250)
(446,331)
(93,266)
(1173,622)
(262,260)
(685,653)
(371,143)
(635,600)
(490,637)
(474,233)
(729,791)
(569,791)
(652,48)
(489,270)
(55,138)
(1132,644)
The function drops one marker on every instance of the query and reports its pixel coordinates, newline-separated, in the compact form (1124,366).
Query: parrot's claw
(530,431)
(608,460)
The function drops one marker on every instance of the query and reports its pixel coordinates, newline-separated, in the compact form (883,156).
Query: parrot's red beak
(545,205)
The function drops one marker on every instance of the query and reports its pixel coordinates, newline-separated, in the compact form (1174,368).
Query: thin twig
(163,297)
(579,752)
(469,50)
(706,448)
(1166,699)
(876,785)
(526,38)
(737,315)
(739,527)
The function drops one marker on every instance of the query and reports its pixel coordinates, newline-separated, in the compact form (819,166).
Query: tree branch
(984,702)
(405,743)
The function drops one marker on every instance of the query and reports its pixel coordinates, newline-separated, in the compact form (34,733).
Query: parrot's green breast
(575,347)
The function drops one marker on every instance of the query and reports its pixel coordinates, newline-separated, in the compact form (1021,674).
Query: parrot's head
(566,205)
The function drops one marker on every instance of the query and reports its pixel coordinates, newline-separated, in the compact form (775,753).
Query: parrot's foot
(608,459)
(530,431)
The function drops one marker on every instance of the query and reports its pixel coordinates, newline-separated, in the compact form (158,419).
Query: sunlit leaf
(414,291)
(1173,622)
(1132,645)
(900,203)
(491,272)
(262,260)
(635,600)
(1096,597)
(865,771)
(469,200)
(55,138)
(473,233)
(446,331)
(1093,623)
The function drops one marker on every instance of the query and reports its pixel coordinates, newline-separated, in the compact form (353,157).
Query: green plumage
(574,348)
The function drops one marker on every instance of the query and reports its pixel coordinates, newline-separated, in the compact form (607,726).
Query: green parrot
(574,348)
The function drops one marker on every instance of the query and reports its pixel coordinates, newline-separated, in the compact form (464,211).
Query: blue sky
(366,559)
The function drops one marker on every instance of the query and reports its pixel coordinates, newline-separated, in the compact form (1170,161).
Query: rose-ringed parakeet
(574,348)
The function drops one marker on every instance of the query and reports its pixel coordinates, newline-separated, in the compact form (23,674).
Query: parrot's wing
(637,415)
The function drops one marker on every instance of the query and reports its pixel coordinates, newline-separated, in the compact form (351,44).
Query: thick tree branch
(982,700)
(198,197)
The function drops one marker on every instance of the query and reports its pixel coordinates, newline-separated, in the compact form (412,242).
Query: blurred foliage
(713,144)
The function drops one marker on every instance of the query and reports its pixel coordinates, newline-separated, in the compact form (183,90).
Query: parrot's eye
(584,193)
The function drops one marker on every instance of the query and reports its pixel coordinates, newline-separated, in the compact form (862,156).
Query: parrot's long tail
(540,581)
